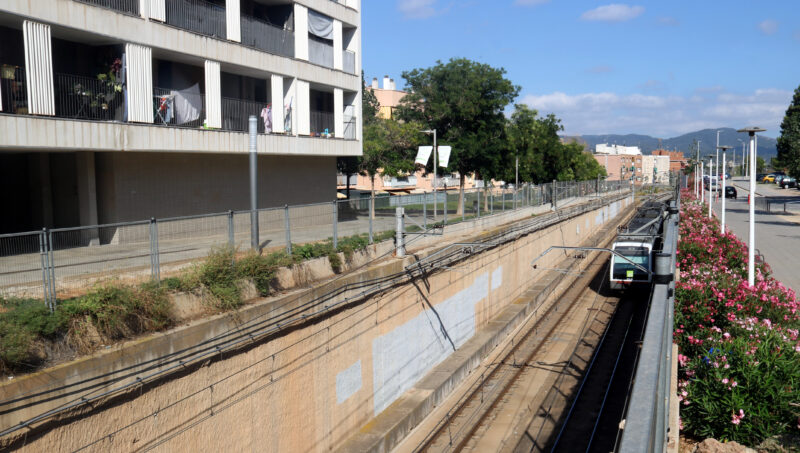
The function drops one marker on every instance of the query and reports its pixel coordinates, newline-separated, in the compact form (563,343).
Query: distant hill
(707,137)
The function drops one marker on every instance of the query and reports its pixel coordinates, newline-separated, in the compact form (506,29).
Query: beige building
(120,110)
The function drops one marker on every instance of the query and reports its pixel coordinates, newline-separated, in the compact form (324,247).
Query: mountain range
(707,137)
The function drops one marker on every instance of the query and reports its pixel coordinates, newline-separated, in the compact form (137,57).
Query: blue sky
(660,68)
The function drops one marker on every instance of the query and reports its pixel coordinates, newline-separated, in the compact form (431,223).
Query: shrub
(219,276)
(739,347)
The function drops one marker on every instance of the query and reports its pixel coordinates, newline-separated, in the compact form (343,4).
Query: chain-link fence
(60,263)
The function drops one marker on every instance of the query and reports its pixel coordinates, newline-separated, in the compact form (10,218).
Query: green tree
(464,101)
(761,164)
(789,140)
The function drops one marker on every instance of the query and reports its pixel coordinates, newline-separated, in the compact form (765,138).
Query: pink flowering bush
(739,358)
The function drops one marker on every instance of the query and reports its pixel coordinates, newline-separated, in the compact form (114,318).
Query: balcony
(267,37)
(321,123)
(236,114)
(198,16)
(130,7)
(350,129)
(320,52)
(349,61)
(98,99)
(13,91)
(178,108)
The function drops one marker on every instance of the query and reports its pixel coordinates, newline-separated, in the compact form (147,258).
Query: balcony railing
(124,6)
(320,53)
(349,61)
(178,108)
(267,37)
(198,16)
(13,91)
(321,122)
(88,98)
(350,129)
(236,114)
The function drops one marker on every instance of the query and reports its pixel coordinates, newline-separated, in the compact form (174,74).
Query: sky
(660,68)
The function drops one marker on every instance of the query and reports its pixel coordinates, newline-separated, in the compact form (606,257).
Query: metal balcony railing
(236,114)
(349,61)
(124,6)
(13,91)
(88,98)
(320,53)
(321,122)
(178,109)
(267,37)
(198,16)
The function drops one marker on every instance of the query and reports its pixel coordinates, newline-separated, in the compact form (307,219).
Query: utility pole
(253,130)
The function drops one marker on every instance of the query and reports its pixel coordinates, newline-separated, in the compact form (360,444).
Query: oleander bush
(739,358)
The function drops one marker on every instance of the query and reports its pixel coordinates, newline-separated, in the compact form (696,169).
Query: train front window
(625,270)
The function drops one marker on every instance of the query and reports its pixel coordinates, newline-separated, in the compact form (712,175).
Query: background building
(129,109)
(676,160)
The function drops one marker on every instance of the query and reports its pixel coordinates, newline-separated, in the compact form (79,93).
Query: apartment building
(119,110)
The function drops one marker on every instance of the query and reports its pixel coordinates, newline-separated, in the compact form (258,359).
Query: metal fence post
(399,227)
(554,196)
(154,267)
(230,229)
(425,211)
(287,228)
(504,200)
(43,260)
(445,205)
(478,211)
(335,223)
(371,215)
(51,263)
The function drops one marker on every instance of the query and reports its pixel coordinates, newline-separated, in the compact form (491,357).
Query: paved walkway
(777,234)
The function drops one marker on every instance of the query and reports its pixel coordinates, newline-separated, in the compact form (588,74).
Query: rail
(647,420)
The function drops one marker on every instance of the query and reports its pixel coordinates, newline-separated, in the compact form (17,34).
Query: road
(777,234)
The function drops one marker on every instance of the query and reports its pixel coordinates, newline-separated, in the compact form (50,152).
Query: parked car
(769,178)
(788,182)
(760,176)
(779,178)
(730,192)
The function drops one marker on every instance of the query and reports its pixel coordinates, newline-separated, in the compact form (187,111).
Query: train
(637,242)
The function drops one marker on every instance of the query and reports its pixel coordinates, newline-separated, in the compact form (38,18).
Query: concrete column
(87,192)
(232,20)
(300,32)
(213,95)
(303,108)
(338,45)
(277,100)
(338,113)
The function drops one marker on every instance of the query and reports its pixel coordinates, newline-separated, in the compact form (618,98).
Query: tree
(761,164)
(789,140)
(464,101)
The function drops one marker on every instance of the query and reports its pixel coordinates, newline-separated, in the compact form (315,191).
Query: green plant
(219,276)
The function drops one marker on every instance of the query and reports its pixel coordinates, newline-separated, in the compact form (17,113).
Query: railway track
(495,411)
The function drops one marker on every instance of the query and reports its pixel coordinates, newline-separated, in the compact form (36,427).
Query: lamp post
(716,163)
(751,267)
(435,163)
(710,183)
(702,180)
(724,149)
(699,185)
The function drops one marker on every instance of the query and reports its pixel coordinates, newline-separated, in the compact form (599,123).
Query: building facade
(120,110)
(676,160)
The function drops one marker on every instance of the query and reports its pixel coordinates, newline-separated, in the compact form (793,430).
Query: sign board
(444,156)
(423,155)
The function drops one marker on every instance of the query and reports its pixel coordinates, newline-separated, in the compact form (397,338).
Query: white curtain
(39,67)
(139,80)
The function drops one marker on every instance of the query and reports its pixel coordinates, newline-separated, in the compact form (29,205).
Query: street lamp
(724,149)
(698,187)
(435,163)
(751,267)
(710,183)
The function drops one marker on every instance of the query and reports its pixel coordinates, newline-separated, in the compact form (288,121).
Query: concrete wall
(147,185)
(309,388)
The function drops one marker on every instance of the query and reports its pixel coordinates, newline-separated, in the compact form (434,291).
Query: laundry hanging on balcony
(266,115)
(188,104)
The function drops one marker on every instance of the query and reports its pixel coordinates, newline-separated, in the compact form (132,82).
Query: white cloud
(530,2)
(663,116)
(616,12)
(768,27)
(417,9)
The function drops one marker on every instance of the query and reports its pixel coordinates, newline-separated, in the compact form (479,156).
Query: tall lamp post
(710,183)
(724,149)
(751,266)
(702,180)
(435,164)
(698,187)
